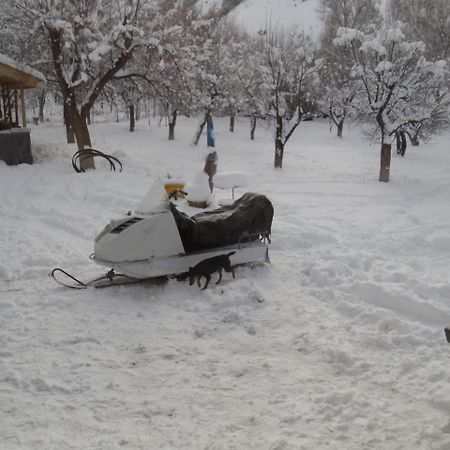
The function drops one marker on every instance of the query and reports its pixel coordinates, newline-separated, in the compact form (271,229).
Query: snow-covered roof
(15,74)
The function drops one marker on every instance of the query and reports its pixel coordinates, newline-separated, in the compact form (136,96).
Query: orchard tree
(338,87)
(214,73)
(88,43)
(289,71)
(393,76)
(167,83)
(427,21)
(168,72)
(233,60)
(250,73)
(338,92)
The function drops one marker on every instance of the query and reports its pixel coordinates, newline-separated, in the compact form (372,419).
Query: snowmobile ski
(109,279)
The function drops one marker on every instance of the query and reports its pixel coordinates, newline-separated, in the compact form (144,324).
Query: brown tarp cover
(250,214)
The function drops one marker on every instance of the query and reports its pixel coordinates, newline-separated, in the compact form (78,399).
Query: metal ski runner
(109,279)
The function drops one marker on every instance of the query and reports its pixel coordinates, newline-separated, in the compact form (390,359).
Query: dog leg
(230,269)
(198,282)
(208,278)
(220,276)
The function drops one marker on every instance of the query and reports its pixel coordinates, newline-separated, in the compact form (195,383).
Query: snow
(262,15)
(199,190)
(383,66)
(345,36)
(338,343)
(229,180)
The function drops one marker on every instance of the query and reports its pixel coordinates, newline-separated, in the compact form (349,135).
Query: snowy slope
(338,344)
(260,15)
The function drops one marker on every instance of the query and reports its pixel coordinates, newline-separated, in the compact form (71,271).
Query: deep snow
(337,344)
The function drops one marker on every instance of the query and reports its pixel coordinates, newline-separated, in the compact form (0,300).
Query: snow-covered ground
(337,344)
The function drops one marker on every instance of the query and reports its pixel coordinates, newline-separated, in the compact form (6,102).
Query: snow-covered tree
(338,87)
(289,70)
(253,87)
(214,72)
(427,21)
(88,43)
(396,83)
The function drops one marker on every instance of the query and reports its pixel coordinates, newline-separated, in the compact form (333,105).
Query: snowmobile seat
(249,216)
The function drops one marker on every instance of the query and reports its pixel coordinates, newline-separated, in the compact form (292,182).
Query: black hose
(81,155)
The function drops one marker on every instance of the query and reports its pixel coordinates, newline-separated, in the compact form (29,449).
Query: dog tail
(231,253)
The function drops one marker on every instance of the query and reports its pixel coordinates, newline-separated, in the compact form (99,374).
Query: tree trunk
(415,141)
(232,116)
(404,143)
(132,117)
(41,105)
(385,162)
(172,122)
(70,135)
(340,127)
(414,135)
(200,128)
(401,142)
(279,145)
(80,128)
(252,127)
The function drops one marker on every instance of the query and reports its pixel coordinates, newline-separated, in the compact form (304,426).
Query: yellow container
(173,186)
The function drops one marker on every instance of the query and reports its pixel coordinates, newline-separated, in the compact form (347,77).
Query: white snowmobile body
(147,242)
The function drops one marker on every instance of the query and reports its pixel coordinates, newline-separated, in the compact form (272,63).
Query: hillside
(256,15)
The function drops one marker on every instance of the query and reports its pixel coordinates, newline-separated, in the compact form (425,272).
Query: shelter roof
(16,75)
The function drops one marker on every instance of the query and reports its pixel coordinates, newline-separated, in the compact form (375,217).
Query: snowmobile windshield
(156,200)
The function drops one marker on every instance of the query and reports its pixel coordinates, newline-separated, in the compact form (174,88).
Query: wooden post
(22,107)
(16,108)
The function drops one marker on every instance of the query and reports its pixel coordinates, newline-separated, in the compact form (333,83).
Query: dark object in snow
(248,217)
(208,266)
(5,125)
(15,146)
(447,334)
(201,205)
(211,168)
(80,155)
(109,279)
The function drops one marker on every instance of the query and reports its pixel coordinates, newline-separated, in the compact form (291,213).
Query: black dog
(208,266)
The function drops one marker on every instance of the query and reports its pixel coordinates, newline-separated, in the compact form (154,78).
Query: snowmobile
(158,240)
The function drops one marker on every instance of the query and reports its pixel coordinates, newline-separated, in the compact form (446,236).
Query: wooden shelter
(15,142)
(15,77)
